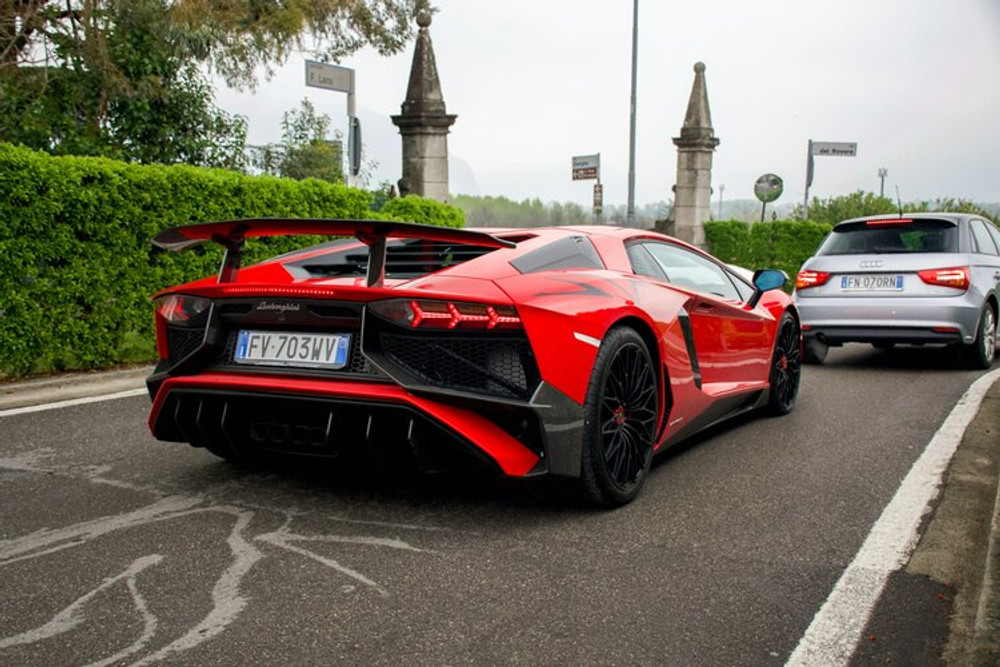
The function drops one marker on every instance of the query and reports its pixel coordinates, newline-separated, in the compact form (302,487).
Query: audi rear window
(876,237)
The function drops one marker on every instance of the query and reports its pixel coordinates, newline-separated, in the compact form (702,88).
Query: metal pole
(882,173)
(630,213)
(809,175)
(350,180)
(722,188)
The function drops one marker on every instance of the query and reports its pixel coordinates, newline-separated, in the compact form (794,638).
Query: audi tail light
(434,314)
(957,277)
(806,279)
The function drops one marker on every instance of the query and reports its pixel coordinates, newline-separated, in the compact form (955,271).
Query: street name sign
(330,77)
(838,148)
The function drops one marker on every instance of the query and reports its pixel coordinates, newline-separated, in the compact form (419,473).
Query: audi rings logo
(870,263)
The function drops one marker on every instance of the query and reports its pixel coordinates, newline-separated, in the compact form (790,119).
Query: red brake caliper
(620,415)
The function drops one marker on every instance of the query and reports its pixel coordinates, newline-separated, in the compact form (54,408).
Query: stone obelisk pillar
(693,190)
(424,124)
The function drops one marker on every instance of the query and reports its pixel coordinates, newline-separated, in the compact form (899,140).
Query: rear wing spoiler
(232,235)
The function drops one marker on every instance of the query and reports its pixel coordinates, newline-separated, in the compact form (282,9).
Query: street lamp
(630,212)
(882,173)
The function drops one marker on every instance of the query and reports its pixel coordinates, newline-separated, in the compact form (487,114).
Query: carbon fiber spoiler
(231,234)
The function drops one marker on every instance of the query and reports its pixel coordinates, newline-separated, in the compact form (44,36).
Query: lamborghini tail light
(433,314)
(807,278)
(957,277)
(178,308)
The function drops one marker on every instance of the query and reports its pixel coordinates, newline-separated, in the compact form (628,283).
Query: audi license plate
(878,282)
(301,350)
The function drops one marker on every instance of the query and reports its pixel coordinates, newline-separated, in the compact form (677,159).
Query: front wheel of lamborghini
(786,366)
(619,420)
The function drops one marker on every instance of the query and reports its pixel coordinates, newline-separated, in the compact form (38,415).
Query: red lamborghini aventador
(574,351)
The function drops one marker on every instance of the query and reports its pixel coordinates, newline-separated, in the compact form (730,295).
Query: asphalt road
(117,549)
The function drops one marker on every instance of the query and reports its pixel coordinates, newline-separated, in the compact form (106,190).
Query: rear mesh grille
(182,342)
(481,364)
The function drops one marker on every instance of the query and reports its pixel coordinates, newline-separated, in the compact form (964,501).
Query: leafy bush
(426,211)
(76,265)
(783,244)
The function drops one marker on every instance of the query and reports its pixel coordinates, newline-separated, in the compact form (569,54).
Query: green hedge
(783,244)
(76,265)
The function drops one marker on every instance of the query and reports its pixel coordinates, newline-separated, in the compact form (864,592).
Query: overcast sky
(916,83)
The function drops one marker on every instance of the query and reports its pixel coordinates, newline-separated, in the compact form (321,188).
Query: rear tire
(814,351)
(981,353)
(786,367)
(620,413)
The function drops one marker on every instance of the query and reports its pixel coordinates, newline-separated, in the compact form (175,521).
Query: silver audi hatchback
(914,279)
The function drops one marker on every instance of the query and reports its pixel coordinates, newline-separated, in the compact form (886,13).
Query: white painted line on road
(836,629)
(76,401)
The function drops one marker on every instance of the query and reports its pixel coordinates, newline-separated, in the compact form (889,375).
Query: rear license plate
(297,350)
(880,282)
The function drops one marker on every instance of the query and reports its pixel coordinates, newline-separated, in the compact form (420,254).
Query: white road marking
(227,600)
(72,616)
(75,401)
(836,629)
(48,541)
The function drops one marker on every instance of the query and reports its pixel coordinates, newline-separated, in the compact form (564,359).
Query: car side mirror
(765,280)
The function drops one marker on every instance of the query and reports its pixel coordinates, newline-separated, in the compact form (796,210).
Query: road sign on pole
(826,149)
(835,148)
(587,167)
(340,79)
(768,188)
(598,198)
(330,77)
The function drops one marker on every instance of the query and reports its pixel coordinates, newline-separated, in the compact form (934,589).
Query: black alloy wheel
(620,414)
(786,366)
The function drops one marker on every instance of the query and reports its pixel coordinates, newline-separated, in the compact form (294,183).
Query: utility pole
(882,173)
(722,188)
(630,212)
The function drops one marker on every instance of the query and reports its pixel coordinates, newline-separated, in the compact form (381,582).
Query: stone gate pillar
(693,190)
(424,124)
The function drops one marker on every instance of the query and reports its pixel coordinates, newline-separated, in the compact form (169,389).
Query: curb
(986,634)
(66,387)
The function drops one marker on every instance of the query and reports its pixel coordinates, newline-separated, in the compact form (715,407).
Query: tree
(123,77)
(107,78)
(305,150)
(854,205)
(240,36)
(860,203)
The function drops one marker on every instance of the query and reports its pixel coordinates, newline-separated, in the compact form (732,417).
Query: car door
(731,341)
